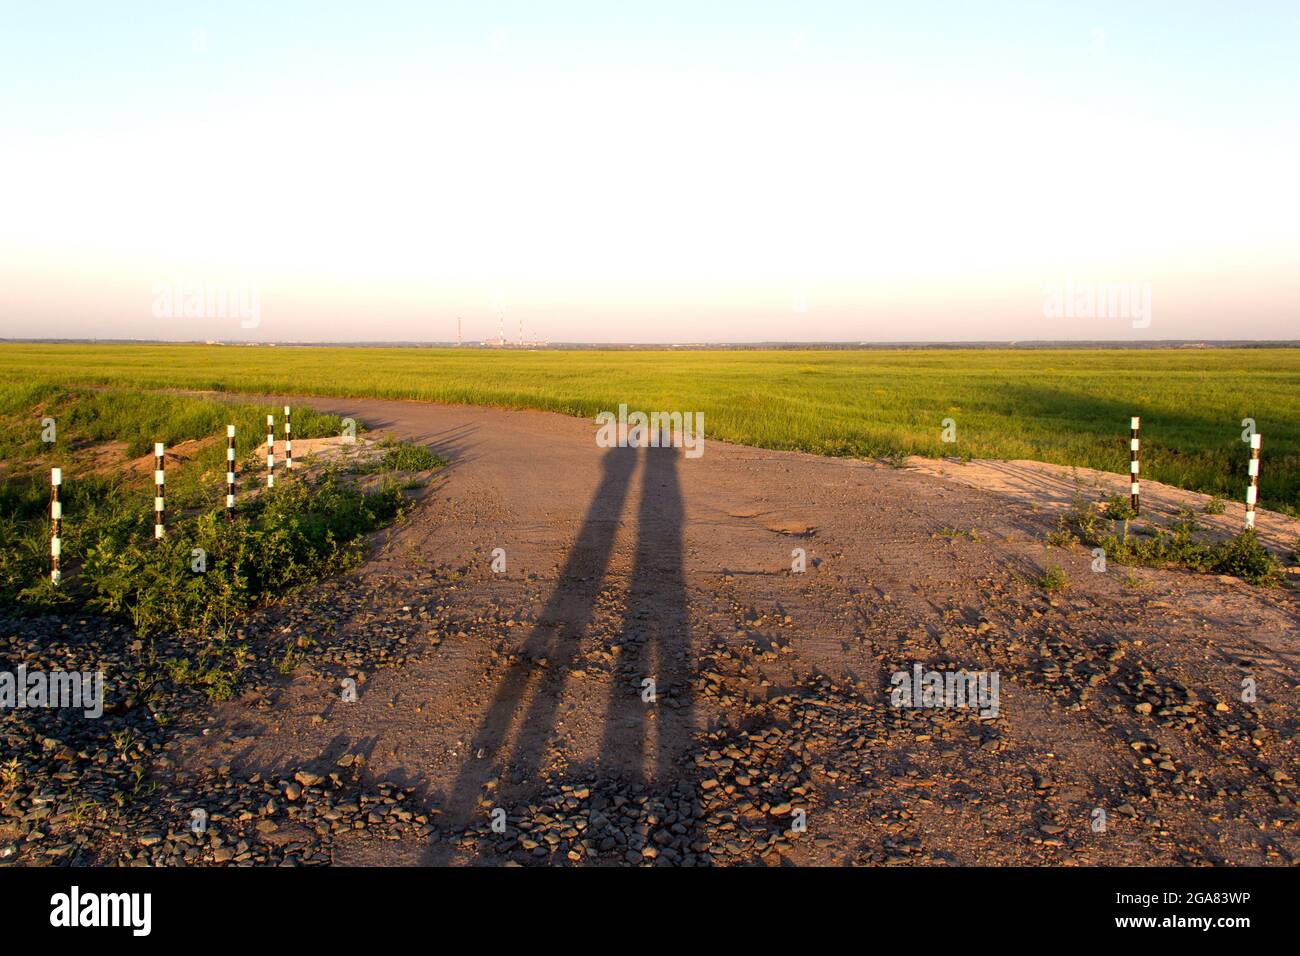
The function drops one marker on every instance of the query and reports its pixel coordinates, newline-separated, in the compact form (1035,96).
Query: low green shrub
(1177,546)
(290,536)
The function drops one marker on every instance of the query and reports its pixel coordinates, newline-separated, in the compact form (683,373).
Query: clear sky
(649,171)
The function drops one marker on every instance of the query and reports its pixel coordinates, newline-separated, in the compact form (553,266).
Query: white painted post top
(56,476)
(286,409)
(1254,440)
(230,431)
(158,448)
(270,419)
(1134,422)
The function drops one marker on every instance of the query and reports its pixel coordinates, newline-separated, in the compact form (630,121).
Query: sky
(650,172)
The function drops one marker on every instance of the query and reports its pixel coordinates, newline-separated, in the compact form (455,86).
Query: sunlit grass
(1066,406)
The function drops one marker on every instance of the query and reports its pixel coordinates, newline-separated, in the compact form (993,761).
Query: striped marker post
(159,498)
(1252,491)
(270,451)
(1133,445)
(230,472)
(56,525)
(288,441)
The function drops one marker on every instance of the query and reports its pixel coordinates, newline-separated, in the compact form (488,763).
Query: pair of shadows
(655,633)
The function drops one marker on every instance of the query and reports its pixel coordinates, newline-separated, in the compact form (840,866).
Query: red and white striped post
(288,441)
(159,498)
(1252,491)
(230,472)
(56,525)
(1133,445)
(270,451)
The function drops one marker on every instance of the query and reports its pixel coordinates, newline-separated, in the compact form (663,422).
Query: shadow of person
(557,637)
(656,640)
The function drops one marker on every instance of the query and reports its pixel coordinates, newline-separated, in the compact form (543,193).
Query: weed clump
(292,535)
(399,456)
(1053,579)
(1176,546)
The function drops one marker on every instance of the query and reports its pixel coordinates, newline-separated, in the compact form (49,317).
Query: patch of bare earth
(1037,485)
(649,681)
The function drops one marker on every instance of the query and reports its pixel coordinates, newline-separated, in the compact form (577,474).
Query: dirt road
(768,733)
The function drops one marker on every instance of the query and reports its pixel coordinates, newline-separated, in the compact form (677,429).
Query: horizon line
(703,345)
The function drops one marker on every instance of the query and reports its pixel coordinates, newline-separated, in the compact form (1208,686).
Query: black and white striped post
(159,498)
(270,451)
(230,472)
(56,525)
(1133,445)
(288,441)
(1252,491)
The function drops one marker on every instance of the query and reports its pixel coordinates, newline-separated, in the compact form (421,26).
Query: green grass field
(1066,406)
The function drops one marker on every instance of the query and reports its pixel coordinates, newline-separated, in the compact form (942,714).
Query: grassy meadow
(1066,406)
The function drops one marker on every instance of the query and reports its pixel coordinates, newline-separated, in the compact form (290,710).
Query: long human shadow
(656,638)
(557,637)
